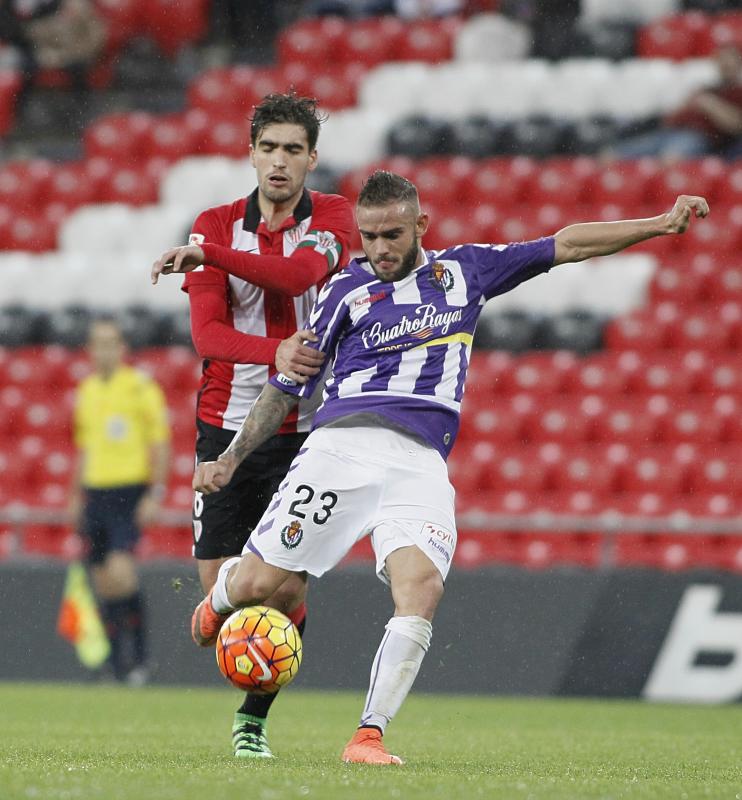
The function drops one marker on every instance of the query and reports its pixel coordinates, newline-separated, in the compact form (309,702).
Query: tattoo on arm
(263,421)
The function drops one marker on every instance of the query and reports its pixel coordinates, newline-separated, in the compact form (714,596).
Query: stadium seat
(513,469)
(11,82)
(596,374)
(626,421)
(117,137)
(584,470)
(558,421)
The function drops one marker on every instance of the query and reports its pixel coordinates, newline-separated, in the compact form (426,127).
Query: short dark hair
(383,187)
(275,109)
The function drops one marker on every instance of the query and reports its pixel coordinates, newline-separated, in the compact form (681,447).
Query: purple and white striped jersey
(401,349)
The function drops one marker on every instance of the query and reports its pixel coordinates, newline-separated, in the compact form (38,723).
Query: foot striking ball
(258,649)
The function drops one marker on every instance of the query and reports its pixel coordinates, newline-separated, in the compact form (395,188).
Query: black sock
(135,620)
(114,613)
(258,705)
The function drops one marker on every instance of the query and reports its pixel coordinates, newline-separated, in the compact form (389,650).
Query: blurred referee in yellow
(123,440)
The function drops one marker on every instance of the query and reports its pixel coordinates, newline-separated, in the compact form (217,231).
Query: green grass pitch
(72,742)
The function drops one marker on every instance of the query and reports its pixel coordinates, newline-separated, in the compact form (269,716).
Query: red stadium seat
(721,374)
(371,41)
(24,184)
(514,469)
(636,332)
(426,40)
(726,29)
(700,331)
(560,183)
(725,284)
(716,474)
(596,375)
(491,423)
(662,375)
(653,474)
(131,186)
(11,82)
(627,421)
(678,37)
(175,23)
(586,470)
(622,185)
(486,371)
(678,285)
(69,185)
(312,41)
(227,139)
(118,137)
(540,373)
(562,420)
(691,423)
(169,137)
(508,180)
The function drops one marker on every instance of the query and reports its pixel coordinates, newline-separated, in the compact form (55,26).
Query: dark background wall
(502,631)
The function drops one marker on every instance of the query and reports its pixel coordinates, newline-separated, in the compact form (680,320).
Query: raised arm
(263,421)
(291,275)
(591,239)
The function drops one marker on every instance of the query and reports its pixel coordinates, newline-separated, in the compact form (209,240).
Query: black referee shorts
(223,521)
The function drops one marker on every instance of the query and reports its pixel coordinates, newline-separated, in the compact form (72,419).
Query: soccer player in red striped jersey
(254,268)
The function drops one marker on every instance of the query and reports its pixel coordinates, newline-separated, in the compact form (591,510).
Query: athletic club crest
(441,277)
(291,535)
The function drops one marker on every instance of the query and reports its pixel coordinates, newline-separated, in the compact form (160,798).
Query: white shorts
(351,482)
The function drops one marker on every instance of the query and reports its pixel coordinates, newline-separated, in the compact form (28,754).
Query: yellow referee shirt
(116,423)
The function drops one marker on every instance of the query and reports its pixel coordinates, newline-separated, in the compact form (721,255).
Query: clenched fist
(213,476)
(678,218)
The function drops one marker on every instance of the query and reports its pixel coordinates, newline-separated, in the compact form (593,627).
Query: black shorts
(109,520)
(223,521)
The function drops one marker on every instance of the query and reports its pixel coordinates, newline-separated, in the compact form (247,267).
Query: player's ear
(421,224)
(251,153)
(312,161)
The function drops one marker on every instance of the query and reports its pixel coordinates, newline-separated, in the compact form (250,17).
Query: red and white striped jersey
(239,365)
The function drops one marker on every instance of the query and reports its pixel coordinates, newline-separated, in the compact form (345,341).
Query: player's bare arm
(591,239)
(297,361)
(178,259)
(263,421)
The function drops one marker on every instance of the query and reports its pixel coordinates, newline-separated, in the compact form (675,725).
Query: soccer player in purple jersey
(397,326)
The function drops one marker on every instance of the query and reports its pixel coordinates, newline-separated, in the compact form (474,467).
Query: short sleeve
(502,267)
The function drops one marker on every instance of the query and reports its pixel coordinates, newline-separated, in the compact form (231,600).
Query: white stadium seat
(492,37)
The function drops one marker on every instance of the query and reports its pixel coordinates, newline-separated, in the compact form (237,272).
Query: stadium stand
(602,414)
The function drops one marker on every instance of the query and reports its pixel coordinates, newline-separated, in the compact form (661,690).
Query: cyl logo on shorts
(291,535)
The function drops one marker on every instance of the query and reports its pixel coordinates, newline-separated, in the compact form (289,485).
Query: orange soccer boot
(367,747)
(206,623)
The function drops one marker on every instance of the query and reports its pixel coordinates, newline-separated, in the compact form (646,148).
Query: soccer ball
(258,649)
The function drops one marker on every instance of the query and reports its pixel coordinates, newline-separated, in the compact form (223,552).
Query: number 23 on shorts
(320,510)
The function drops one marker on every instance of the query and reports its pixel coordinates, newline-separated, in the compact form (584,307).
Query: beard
(406,265)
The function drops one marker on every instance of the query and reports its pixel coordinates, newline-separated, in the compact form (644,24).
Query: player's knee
(247,588)
(287,597)
(419,594)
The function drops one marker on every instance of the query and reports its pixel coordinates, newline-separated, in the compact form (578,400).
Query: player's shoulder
(224,214)
(344,282)
(334,207)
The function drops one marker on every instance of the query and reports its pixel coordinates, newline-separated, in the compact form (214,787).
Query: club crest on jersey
(441,277)
(291,535)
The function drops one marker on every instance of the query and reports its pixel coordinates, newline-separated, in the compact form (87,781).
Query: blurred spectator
(64,35)
(709,122)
